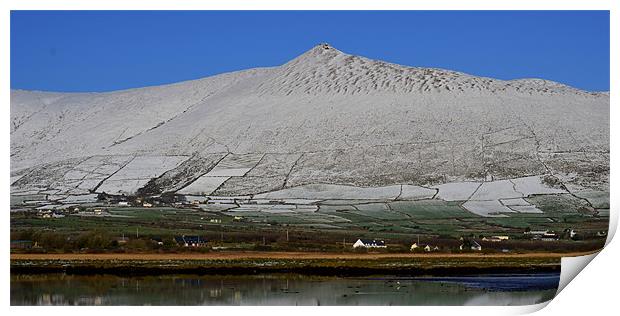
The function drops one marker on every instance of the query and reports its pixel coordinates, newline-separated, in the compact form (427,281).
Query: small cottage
(470,245)
(190,241)
(369,243)
(423,247)
(495,238)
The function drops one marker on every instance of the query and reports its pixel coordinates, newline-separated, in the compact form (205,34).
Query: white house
(368,243)
(475,246)
(426,248)
(572,233)
(470,245)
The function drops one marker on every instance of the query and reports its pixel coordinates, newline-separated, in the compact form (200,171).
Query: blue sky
(111,50)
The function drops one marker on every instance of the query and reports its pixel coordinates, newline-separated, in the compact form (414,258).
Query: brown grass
(237,255)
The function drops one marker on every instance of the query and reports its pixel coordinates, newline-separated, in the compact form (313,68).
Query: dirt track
(237,255)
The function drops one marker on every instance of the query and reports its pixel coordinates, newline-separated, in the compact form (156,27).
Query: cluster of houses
(190,241)
(546,235)
(199,242)
(466,245)
(180,200)
(568,233)
(174,200)
(126,201)
(470,244)
(369,243)
(88,212)
(416,246)
(49,214)
(181,241)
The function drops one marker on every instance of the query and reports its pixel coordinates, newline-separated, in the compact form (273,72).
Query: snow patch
(204,185)
(413,192)
(334,191)
(534,185)
(491,208)
(456,191)
(495,190)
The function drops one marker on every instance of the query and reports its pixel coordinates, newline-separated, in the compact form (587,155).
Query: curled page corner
(613,225)
(571,266)
(529,309)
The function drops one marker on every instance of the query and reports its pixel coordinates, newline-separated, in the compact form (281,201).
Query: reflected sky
(283,289)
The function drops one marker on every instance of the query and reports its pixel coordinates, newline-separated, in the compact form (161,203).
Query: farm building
(190,241)
(550,236)
(470,245)
(544,235)
(535,232)
(495,238)
(369,243)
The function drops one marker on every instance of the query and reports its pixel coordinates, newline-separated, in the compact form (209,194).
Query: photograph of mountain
(422,159)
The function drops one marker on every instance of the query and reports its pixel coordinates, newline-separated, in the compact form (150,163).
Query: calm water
(283,289)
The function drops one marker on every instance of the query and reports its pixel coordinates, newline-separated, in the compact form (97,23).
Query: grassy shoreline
(239,263)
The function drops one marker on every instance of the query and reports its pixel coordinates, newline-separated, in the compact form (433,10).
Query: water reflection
(60,289)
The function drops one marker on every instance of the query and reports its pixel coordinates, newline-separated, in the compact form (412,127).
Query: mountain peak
(320,53)
(322,47)
(325,69)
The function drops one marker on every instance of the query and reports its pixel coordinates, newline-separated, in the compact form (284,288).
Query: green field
(398,222)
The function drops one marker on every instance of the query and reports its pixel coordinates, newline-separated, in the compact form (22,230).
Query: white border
(593,291)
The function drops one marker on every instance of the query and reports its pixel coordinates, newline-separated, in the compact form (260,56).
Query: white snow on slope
(534,185)
(413,192)
(344,119)
(514,202)
(335,192)
(457,191)
(495,190)
(235,165)
(138,172)
(506,196)
(203,186)
(492,208)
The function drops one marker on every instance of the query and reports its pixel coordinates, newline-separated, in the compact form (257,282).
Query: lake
(281,289)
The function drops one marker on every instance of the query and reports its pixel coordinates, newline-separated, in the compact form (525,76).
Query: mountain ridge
(316,52)
(323,117)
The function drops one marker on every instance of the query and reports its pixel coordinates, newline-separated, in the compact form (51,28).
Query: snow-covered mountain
(325,117)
